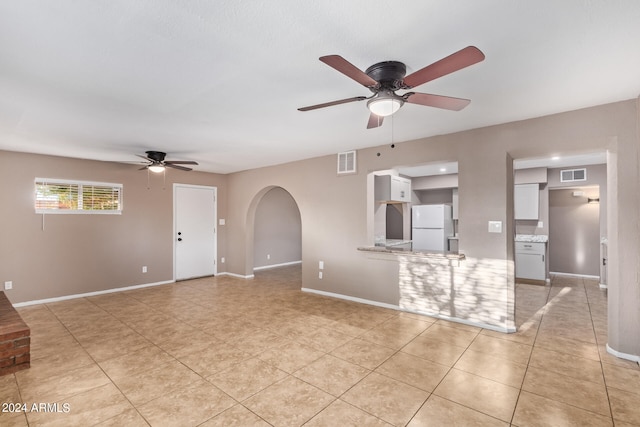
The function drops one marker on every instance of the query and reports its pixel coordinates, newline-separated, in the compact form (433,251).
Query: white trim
(239,276)
(465,322)
(91,294)
(78,181)
(350,298)
(397,308)
(284,264)
(584,276)
(622,355)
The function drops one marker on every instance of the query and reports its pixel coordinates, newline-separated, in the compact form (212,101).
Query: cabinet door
(530,266)
(526,200)
(400,189)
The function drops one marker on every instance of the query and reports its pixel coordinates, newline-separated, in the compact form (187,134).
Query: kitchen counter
(405,249)
(532,238)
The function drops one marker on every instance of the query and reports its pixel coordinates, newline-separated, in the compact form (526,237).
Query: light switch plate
(540,224)
(221,221)
(495,226)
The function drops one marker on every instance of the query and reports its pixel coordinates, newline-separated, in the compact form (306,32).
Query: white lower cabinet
(530,261)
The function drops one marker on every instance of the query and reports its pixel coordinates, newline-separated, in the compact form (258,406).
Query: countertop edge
(391,250)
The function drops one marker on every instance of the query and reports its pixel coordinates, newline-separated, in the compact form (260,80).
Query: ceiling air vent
(571,175)
(347,162)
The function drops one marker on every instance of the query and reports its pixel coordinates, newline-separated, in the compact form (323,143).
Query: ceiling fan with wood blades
(157,163)
(385,78)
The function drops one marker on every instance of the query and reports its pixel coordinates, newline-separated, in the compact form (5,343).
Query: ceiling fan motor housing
(157,156)
(388,73)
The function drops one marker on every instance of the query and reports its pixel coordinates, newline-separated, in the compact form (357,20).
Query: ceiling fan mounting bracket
(389,74)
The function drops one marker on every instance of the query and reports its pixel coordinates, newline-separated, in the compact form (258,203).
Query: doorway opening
(276,225)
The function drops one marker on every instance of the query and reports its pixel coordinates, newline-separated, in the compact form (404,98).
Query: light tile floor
(229,352)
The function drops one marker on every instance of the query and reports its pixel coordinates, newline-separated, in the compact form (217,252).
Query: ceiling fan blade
(180,162)
(340,64)
(454,62)
(374,121)
(329,104)
(144,157)
(182,168)
(438,101)
(143,168)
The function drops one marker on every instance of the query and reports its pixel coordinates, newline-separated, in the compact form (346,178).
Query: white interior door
(195,231)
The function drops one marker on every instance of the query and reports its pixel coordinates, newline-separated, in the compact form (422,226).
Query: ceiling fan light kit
(156,168)
(385,78)
(384,105)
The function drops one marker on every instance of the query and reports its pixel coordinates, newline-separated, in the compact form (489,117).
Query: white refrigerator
(431,225)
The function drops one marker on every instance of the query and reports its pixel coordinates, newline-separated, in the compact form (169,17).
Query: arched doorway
(274,225)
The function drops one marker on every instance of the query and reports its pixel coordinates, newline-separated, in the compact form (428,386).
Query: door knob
(179,239)
(179,233)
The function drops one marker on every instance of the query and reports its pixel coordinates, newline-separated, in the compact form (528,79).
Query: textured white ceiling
(220,81)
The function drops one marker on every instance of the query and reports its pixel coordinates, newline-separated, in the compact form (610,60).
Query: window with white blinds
(65,196)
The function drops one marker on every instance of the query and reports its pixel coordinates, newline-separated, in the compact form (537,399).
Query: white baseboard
(621,355)
(465,322)
(582,276)
(398,308)
(239,276)
(350,298)
(91,294)
(284,264)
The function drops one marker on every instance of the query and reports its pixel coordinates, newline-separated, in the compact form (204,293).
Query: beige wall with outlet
(66,254)
(84,253)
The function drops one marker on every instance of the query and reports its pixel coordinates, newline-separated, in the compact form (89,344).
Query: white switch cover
(8,285)
(144,268)
(540,224)
(319,274)
(495,226)
(321,265)
(221,221)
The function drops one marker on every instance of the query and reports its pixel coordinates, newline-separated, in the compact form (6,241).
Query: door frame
(215,221)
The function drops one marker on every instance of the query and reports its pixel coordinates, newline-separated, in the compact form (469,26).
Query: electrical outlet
(319,274)
(144,268)
(268,256)
(222,260)
(540,224)
(8,285)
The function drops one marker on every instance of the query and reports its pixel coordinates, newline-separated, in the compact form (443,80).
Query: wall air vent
(572,175)
(347,162)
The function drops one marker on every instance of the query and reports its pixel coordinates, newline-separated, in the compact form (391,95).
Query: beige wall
(333,212)
(76,254)
(334,209)
(277,230)
(574,237)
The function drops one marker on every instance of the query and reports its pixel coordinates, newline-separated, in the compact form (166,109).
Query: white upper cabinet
(526,201)
(391,188)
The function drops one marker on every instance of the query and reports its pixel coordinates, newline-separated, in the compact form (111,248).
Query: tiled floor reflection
(230,352)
